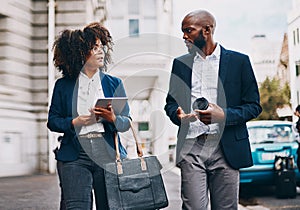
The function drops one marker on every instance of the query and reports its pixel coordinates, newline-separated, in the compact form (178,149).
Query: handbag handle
(138,150)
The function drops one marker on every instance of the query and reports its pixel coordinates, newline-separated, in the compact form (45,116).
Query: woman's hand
(84,120)
(105,113)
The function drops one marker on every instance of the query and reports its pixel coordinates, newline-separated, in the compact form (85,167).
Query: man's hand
(213,114)
(185,118)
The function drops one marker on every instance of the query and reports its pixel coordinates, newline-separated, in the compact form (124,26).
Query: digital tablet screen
(118,103)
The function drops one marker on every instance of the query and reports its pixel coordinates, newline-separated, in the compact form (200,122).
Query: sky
(239,20)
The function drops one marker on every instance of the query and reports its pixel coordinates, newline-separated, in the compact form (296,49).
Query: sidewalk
(35,192)
(41,192)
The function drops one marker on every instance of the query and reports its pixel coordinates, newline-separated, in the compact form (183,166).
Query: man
(213,143)
(297,113)
(297,125)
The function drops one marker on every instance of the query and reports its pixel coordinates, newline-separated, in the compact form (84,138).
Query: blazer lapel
(74,89)
(187,79)
(106,86)
(223,68)
(186,74)
(224,59)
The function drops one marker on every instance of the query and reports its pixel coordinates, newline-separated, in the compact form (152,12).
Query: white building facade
(265,57)
(143,55)
(27,31)
(294,52)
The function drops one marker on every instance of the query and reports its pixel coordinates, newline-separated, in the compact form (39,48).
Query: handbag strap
(138,150)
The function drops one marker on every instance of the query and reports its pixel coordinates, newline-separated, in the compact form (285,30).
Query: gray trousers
(204,171)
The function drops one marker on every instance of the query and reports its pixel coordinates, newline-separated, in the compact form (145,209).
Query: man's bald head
(202,18)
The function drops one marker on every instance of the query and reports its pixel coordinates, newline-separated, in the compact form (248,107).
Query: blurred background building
(27,30)
(143,54)
(294,52)
(265,56)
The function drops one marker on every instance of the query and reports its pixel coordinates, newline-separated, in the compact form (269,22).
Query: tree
(273,96)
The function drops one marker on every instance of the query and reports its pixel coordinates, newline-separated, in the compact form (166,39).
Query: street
(265,196)
(41,192)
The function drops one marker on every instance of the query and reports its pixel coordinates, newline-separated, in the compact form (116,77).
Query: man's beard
(199,43)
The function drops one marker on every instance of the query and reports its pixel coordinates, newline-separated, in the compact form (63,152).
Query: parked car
(269,138)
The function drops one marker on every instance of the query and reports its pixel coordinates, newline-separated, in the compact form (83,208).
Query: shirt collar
(215,54)
(95,76)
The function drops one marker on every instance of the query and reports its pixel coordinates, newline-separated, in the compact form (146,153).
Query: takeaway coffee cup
(200,103)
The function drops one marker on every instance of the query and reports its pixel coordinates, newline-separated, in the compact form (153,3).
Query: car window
(270,134)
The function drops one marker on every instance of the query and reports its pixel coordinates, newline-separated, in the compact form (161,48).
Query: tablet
(118,103)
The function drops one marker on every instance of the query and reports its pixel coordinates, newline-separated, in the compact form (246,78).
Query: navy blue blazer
(63,109)
(237,95)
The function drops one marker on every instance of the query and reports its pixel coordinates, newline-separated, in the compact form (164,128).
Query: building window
(134,27)
(133,7)
(143,126)
(297,68)
(294,36)
(298,35)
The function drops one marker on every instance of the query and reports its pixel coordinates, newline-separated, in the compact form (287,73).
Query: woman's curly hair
(72,48)
(95,31)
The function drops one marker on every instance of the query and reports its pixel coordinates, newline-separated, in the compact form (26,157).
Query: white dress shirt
(90,89)
(204,84)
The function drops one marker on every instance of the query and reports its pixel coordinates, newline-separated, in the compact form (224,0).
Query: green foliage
(273,96)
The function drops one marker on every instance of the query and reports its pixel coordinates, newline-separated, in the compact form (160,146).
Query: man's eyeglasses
(97,48)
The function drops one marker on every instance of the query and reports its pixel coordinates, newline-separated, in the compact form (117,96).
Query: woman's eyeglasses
(97,48)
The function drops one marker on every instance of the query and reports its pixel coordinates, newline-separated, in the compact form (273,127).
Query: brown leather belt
(93,135)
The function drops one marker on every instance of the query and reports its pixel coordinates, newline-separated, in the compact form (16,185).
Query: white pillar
(158,119)
(51,80)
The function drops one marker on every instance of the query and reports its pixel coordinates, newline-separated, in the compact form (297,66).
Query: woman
(87,143)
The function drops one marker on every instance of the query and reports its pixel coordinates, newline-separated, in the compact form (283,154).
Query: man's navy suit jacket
(64,108)
(238,96)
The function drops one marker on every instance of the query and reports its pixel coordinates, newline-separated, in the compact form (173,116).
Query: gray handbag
(135,184)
